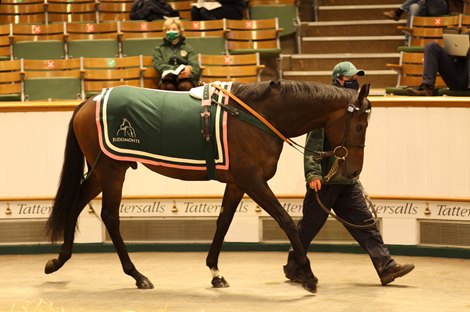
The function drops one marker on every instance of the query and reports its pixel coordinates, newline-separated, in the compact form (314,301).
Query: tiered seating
(285,10)
(206,36)
(5,48)
(11,80)
(38,41)
(369,44)
(425,29)
(114,10)
(29,11)
(140,37)
(252,36)
(99,73)
(241,68)
(52,79)
(71,11)
(68,79)
(92,39)
(410,73)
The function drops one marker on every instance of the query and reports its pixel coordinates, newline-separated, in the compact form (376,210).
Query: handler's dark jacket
(314,169)
(168,56)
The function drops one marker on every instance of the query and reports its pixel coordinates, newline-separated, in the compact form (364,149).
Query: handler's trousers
(348,202)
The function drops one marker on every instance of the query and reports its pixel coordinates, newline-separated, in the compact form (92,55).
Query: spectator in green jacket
(171,54)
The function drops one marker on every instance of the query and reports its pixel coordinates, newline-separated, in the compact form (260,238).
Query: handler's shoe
(394,272)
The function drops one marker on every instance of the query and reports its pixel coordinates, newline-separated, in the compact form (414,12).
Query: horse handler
(345,196)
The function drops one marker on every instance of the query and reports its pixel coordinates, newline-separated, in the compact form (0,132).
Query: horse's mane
(303,91)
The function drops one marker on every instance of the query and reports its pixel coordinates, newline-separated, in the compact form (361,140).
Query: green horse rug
(161,128)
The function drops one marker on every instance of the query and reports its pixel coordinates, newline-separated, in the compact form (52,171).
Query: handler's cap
(346,69)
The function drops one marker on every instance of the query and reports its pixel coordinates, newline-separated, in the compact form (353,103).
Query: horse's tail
(67,199)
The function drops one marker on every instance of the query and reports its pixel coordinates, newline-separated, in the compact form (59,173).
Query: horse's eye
(359,128)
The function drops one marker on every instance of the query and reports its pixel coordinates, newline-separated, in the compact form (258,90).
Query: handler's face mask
(172,35)
(351,84)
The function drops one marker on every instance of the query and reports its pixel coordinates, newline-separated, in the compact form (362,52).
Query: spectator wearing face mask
(175,60)
(345,196)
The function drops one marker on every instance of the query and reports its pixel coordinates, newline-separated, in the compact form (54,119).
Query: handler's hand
(315,185)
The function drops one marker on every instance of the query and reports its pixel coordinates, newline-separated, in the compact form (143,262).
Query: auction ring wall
(416,169)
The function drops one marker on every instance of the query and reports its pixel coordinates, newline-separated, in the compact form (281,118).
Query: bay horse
(293,108)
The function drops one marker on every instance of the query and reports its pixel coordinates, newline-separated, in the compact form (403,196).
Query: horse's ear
(274,84)
(364,92)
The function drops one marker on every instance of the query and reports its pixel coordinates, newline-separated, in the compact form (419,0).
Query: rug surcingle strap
(206,132)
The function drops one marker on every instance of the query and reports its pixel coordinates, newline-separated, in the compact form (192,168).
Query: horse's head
(346,132)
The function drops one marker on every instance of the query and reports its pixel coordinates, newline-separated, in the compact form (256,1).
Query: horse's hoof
(310,286)
(50,266)
(219,282)
(144,284)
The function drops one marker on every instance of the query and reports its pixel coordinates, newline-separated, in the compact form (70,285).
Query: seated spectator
(419,8)
(454,70)
(212,10)
(172,53)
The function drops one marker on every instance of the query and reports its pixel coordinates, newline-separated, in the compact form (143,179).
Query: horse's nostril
(356,174)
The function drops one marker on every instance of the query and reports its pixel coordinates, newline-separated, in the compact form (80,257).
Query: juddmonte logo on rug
(126,133)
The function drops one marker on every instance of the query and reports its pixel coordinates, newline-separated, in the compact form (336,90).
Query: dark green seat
(287,15)
(92,40)
(93,48)
(52,79)
(39,50)
(207,45)
(412,49)
(446,91)
(140,46)
(38,42)
(60,88)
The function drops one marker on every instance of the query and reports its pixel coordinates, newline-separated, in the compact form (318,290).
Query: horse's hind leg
(89,190)
(263,196)
(232,197)
(112,193)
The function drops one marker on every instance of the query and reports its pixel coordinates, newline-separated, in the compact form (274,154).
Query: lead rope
(292,143)
(374,219)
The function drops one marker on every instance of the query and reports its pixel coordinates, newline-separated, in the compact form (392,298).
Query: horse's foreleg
(264,197)
(232,197)
(112,193)
(89,190)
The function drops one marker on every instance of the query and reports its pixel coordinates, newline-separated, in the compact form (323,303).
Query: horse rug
(161,128)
